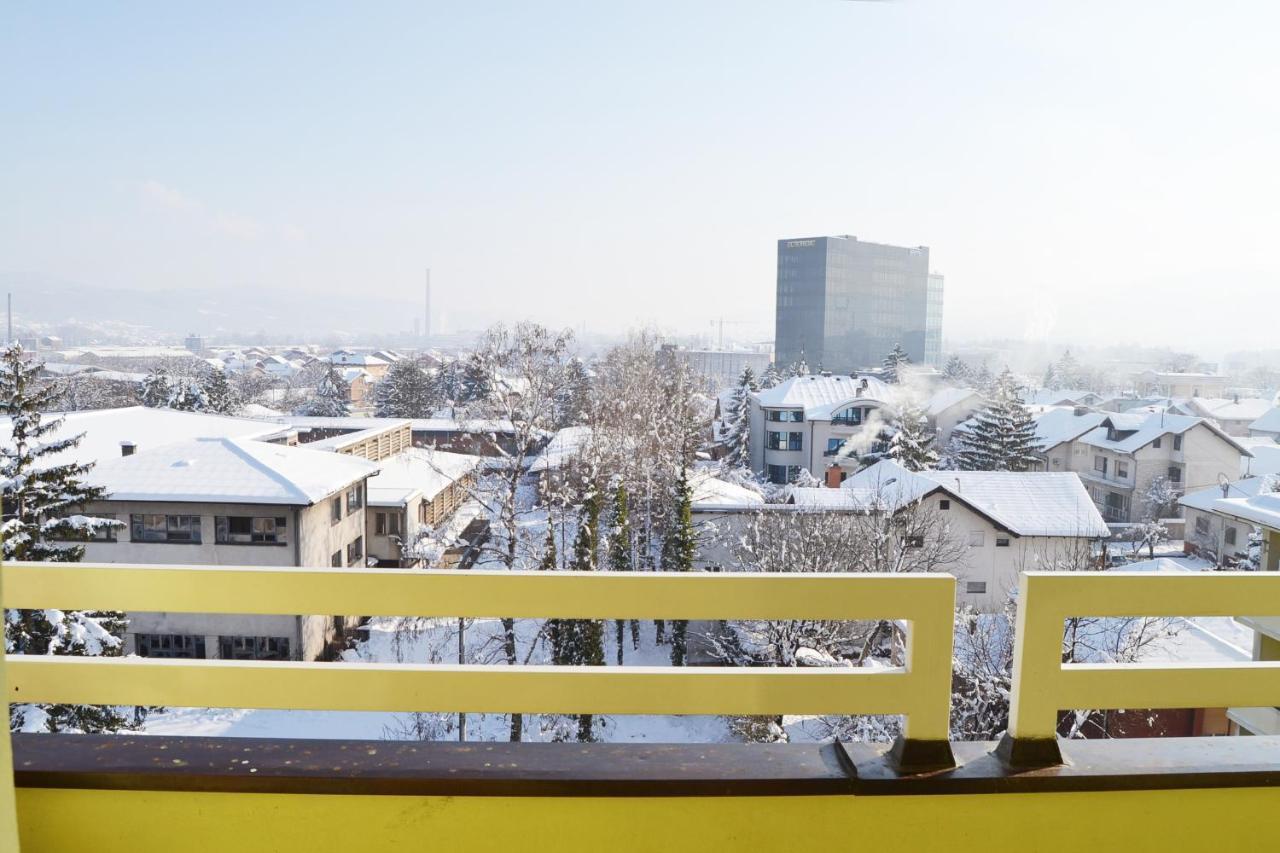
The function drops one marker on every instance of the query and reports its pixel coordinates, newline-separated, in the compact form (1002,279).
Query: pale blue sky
(1079,169)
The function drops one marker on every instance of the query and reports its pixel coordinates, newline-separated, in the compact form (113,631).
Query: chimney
(127,448)
(835,476)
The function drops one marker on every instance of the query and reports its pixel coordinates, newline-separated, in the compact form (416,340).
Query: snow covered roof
(347,357)
(1268,422)
(1204,499)
(562,447)
(1061,397)
(229,470)
(106,429)
(1230,408)
(1263,510)
(709,491)
(1030,503)
(820,395)
(1146,428)
(1265,459)
(945,398)
(354,422)
(1058,425)
(418,471)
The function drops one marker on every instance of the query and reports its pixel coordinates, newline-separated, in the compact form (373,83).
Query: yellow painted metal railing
(920,690)
(1043,685)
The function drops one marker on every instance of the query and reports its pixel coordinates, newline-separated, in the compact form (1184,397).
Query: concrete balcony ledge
(242,765)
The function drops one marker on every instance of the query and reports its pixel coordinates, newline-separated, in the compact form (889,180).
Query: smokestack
(9,339)
(426,329)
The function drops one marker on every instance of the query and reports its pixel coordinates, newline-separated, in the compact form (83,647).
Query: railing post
(8,808)
(925,743)
(1032,738)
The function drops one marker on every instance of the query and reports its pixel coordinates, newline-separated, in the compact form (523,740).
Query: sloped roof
(1232,408)
(1265,459)
(1204,499)
(1269,422)
(1259,509)
(1058,425)
(711,491)
(1148,427)
(1031,503)
(417,471)
(562,447)
(819,395)
(945,398)
(105,429)
(230,470)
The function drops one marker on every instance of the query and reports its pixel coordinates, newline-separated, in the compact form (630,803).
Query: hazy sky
(1080,170)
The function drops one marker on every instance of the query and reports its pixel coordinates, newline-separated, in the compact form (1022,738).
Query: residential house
(812,423)
(1221,538)
(949,407)
(1233,414)
(1172,384)
(371,364)
(1119,455)
(1267,425)
(415,494)
(232,501)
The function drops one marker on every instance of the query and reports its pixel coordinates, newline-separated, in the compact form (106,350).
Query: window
(786,416)
(944,504)
(1202,526)
(915,542)
(851,416)
(1002,541)
(336,560)
(147,527)
(253,648)
(335,510)
(355,498)
(1122,469)
(393,523)
(833,446)
(169,646)
(355,550)
(1229,536)
(975,587)
(776,441)
(1156,444)
(778,475)
(1100,464)
(248,530)
(380,524)
(107,533)
(977,538)
(1175,474)
(795,441)
(1177,442)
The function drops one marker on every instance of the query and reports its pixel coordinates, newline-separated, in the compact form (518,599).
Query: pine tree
(1003,435)
(332,398)
(982,379)
(772,377)
(219,396)
(737,422)
(893,364)
(1066,372)
(955,370)
(188,396)
(406,391)
(573,402)
(678,552)
(582,640)
(621,548)
(548,563)
(476,382)
(912,445)
(156,390)
(40,505)
(799,368)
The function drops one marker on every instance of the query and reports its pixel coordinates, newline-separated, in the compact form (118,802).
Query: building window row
(148,527)
(785,441)
(248,530)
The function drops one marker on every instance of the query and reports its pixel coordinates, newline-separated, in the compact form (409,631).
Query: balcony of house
(1032,790)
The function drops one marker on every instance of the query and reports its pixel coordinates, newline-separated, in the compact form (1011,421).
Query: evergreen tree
(678,552)
(1003,435)
(332,398)
(771,377)
(1050,379)
(582,640)
(476,382)
(982,379)
(406,391)
(40,505)
(188,396)
(573,401)
(912,445)
(548,562)
(893,363)
(956,370)
(737,422)
(621,559)
(799,368)
(1067,373)
(219,396)
(448,382)
(156,390)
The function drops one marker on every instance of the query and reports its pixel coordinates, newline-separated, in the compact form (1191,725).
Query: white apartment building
(815,422)
(1119,455)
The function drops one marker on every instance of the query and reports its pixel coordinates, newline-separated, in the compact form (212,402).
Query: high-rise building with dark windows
(843,303)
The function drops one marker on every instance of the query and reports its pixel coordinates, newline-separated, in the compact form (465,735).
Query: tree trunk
(509,646)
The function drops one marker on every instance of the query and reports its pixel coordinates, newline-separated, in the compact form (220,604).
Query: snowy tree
(332,397)
(188,396)
(86,391)
(982,672)
(406,391)
(573,403)
(155,389)
(737,422)
(219,396)
(955,370)
(799,367)
(1003,434)
(893,364)
(679,549)
(1159,498)
(983,379)
(41,506)
(1148,533)
(772,377)
(580,642)
(478,381)
(912,444)
(621,559)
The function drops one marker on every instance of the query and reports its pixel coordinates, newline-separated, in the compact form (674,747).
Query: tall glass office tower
(843,303)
